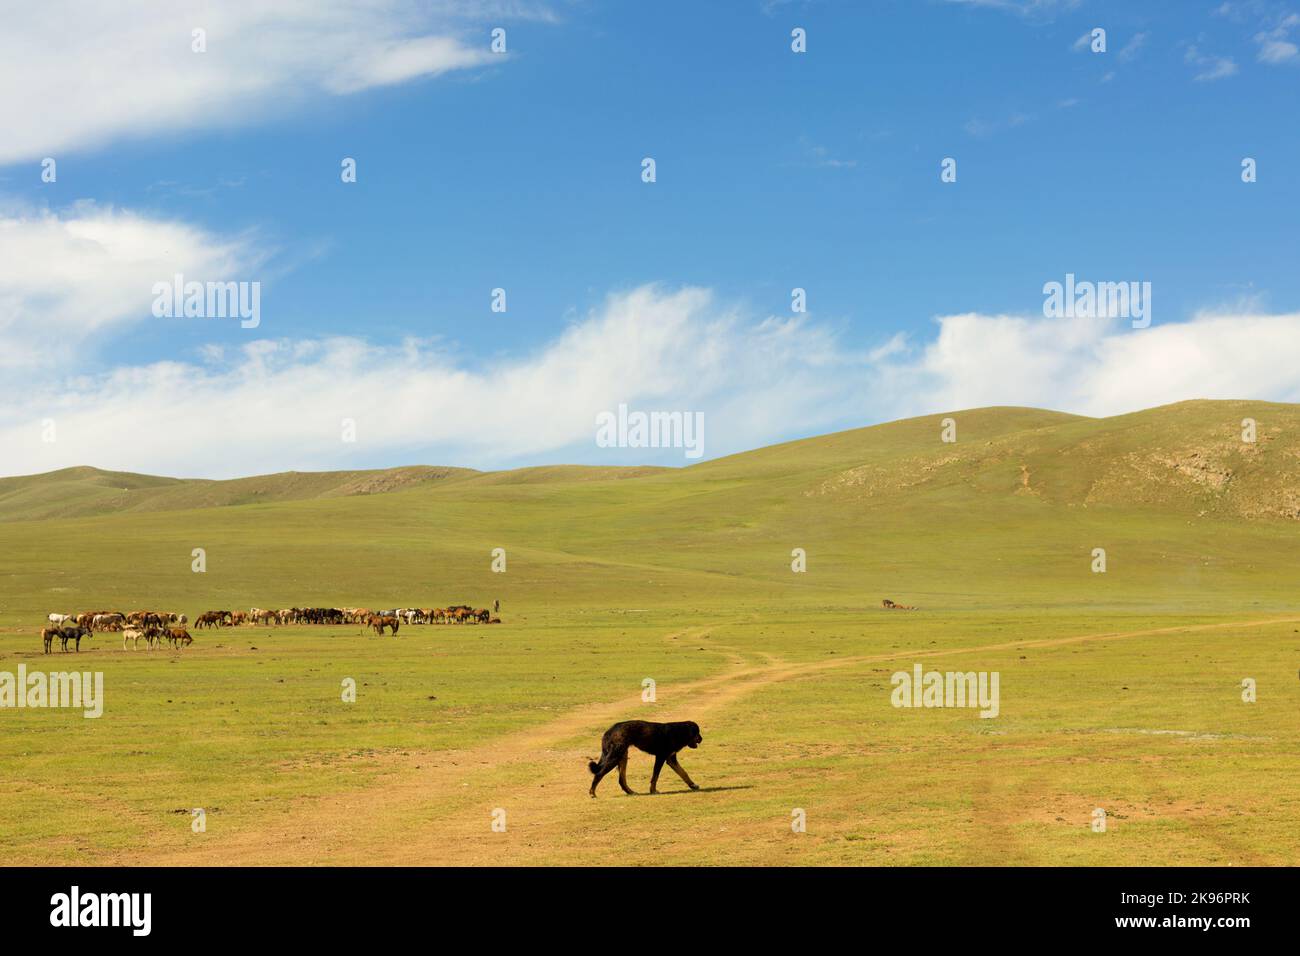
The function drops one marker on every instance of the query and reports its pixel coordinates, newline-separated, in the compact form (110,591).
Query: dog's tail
(593,766)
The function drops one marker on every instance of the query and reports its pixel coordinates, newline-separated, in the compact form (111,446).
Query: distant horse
(889,605)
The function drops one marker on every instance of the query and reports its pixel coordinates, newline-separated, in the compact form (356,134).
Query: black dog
(661,740)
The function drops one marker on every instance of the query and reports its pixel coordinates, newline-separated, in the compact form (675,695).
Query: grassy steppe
(1119,690)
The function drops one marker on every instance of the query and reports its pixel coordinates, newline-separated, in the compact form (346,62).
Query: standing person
(496,606)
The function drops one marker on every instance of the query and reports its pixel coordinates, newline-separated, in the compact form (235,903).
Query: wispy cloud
(1209,67)
(982,128)
(1083,43)
(281,403)
(67,275)
(1276,45)
(129,68)
(1132,47)
(1024,7)
(822,158)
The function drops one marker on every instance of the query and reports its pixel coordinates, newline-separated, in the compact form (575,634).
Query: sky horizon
(443,214)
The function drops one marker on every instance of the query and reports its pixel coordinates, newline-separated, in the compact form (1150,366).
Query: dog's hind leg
(608,761)
(672,762)
(622,774)
(654,777)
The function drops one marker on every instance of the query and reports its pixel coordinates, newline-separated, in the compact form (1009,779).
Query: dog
(661,740)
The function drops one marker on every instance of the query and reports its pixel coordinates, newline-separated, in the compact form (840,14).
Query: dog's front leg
(654,778)
(672,762)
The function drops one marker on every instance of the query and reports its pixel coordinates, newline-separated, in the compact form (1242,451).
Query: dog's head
(693,738)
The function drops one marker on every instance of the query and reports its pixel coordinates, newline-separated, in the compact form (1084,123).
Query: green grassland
(1119,691)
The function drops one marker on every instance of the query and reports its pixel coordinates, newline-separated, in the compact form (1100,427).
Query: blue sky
(775,170)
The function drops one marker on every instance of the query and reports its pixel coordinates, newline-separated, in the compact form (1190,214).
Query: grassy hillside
(1121,689)
(84,491)
(1008,515)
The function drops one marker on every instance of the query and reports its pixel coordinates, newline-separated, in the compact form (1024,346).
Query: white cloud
(822,158)
(1095,367)
(1130,49)
(981,128)
(1275,45)
(1209,67)
(1277,51)
(277,405)
(1024,7)
(65,276)
(94,72)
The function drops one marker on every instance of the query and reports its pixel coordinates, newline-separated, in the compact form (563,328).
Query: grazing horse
(58,620)
(132,634)
(379,622)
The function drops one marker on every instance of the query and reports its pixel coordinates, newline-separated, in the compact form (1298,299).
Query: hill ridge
(1188,457)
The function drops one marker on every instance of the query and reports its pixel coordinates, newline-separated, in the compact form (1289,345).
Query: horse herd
(157,627)
(390,619)
(153,626)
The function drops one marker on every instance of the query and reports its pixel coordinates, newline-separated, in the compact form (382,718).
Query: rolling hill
(84,491)
(1184,458)
(1008,513)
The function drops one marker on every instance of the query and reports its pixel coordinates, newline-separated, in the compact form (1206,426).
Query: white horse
(58,620)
